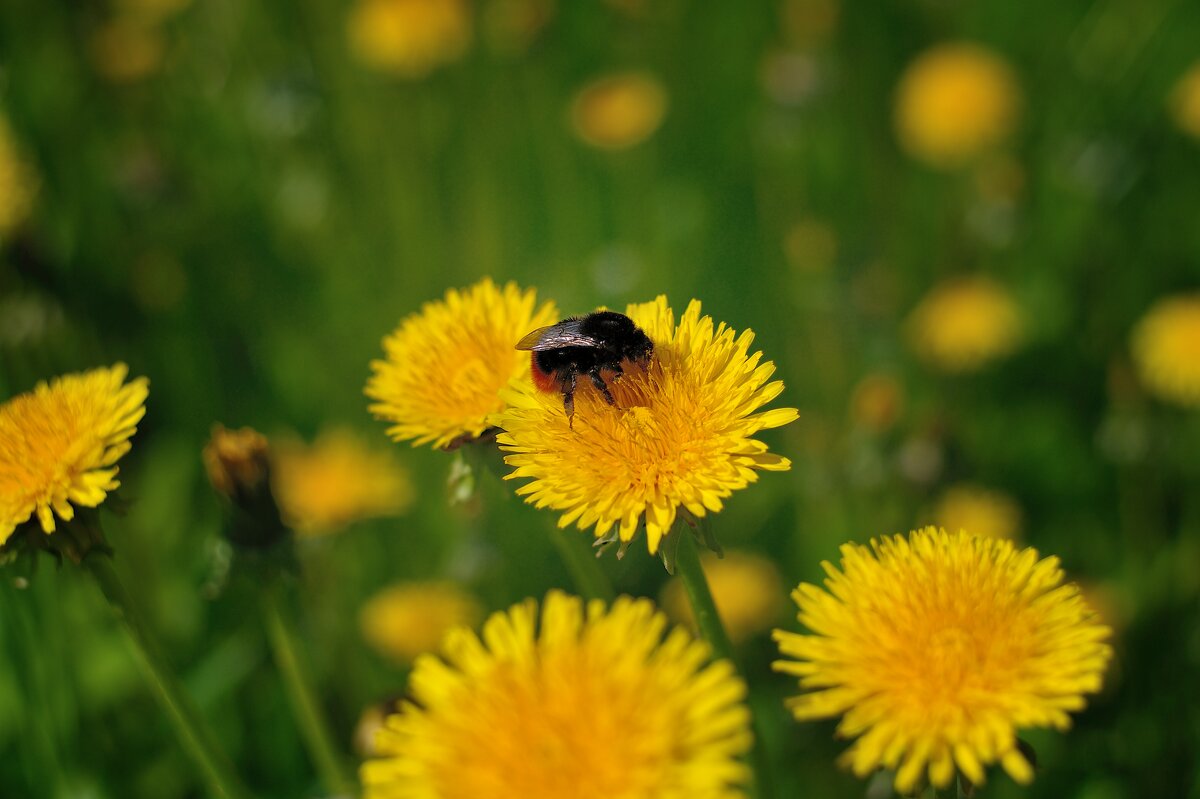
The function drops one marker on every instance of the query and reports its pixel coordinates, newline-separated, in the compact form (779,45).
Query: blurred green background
(239,201)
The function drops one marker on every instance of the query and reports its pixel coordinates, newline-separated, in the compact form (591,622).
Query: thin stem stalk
(195,736)
(687,566)
(314,727)
(590,579)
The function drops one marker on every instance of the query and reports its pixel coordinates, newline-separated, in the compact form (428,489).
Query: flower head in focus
(955,102)
(619,111)
(680,433)
(746,588)
(445,366)
(979,511)
(337,481)
(533,710)
(406,620)
(964,323)
(1166,349)
(1184,101)
(60,443)
(936,648)
(18,183)
(409,38)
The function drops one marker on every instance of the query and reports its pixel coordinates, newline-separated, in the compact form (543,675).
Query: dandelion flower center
(937,648)
(595,705)
(445,366)
(60,443)
(679,434)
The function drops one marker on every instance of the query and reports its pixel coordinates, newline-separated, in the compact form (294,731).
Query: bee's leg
(569,401)
(599,383)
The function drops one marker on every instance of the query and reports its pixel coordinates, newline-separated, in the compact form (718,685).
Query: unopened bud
(239,468)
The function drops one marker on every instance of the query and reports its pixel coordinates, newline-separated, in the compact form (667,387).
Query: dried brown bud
(239,468)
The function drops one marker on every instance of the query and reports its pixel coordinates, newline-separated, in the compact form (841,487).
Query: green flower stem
(583,565)
(193,733)
(687,566)
(313,725)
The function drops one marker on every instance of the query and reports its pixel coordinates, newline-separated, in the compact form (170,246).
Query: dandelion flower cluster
(337,481)
(955,102)
(936,648)
(619,111)
(60,443)
(747,590)
(981,511)
(406,620)
(1184,101)
(593,703)
(1166,349)
(444,367)
(409,38)
(680,434)
(964,323)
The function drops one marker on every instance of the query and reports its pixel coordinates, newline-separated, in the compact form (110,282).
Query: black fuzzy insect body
(584,345)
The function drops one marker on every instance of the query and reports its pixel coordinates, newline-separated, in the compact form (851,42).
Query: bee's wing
(564,334)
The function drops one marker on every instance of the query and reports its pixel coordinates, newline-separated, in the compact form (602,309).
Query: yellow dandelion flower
(964,323)
(1166,349)
(937,648)
(1184,101)
(619,111)
(445,366)
(680,434)
(979,511)
(746,588)
(528,713)
(954,103)
(60,443)
(405,620)
(409,38)
(18,183)
(337,481)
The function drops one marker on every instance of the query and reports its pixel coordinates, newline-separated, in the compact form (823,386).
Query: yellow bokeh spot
(964,323)
(955,102)
(409,38)
(619,111)
(1166,349)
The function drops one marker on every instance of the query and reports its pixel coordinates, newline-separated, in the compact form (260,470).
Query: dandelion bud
(238,466)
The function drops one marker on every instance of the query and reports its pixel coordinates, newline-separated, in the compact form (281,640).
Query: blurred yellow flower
(980,511)
(18,183)
(592,703)
(409,38)
(337,481)
(955,102)
(937,648)
(127,49)
(680,433)
(619,111)
(1184,101)
(1166,349)
(876,402)
(445,366)
(60,444)
(405,620)
(747,589)
(964,323)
